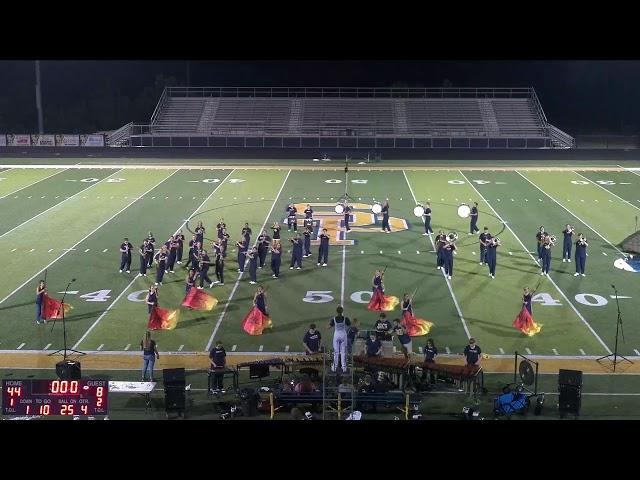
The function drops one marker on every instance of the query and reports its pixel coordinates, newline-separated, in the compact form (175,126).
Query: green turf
(111,211)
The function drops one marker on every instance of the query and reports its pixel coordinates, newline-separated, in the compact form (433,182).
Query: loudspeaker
(173,376)
(68,370)
(174,384)
(570,377)
(569,401)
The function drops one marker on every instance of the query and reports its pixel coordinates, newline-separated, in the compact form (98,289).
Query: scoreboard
(54,397)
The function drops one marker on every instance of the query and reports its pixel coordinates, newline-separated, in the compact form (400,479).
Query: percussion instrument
(376,208)
(418,211)
(464,210)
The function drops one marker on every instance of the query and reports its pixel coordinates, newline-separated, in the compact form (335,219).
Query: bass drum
(376,208)
(464,210)
(418,211)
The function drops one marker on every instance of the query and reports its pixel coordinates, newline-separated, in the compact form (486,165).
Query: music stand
(346,195)
(64,350)
(619,329)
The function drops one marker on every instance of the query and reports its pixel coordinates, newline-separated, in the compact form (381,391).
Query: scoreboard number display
(54,397)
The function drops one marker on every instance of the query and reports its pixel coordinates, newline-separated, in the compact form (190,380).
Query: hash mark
(87,250)
(127,347)
(286,348)
(14,250)
(501,351)
(20,346)
(637,352)
(233,349)
(447,349)
(582,352)
(32,250)
(100,347)
(260,348)
(180,348)
(47,346)
(555,352)
(105,250)
(50,250)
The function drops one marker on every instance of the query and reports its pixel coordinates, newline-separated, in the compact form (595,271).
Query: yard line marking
(608,191)
(582,351)
(447,349)
(455,300)
(20,346)
(286,348)
(574,215)
(128,346)
(105,250)
(47,346)
(528,351)
(135,278)
(555,352)
(532,258)
(31,184)
(57,204)
(510,253)
(233,349)
(628,170)
(418,252)
(87,250)
(180,348)
(100,347)
(235,287)
(260,348)
(14,250)
(344,263)
(501,351)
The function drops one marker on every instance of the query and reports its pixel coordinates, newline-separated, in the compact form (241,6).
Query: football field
(70,219)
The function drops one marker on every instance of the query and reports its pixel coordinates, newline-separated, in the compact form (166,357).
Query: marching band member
(292,221)
(347,216)
(173,253)
(546,255)
(219,268)
(257,319)
(473,228)
(484,241)
(377,281)
(308,231)
(403,337)
(581,255)
(192,257)
(567,242)
(152,298)
(472,353)
(427,219)
(204,262)
(125,257)
(308,217)
(191,279)
(143,258)
(540,238)
(430,354)
(340,324)
(492,255)
(246,233)
(385,217)
(253,265)
(415,326)
(383,328)
(224,242)
(323,251)
(161,262)
(41,291)
(220,227)
(242,254)
(152,242)
(296,252)
(263,246)
(524,321)
(311,340)
(448,249)
(441,241)
(200,233)
(276,231)
(179,237)
(276,252)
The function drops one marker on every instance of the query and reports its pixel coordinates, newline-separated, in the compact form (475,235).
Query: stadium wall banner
(67,140)
(3,140)
(43,140)
(92,140)
(18,140)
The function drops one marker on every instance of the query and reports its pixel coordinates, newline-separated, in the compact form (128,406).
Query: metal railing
(159,106)
(564,140)
(346,92)
(120,137)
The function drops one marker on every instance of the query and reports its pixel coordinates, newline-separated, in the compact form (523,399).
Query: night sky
(583,96)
